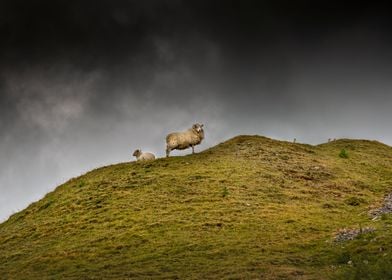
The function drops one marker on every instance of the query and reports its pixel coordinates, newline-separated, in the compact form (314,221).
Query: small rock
(349,234)
(385,209)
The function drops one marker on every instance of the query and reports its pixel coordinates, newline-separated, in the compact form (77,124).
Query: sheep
(184,140)
(140,156)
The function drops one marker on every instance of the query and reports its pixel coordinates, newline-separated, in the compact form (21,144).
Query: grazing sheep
(143,156)
(184,140)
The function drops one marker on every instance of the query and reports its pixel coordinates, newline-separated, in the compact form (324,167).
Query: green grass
(249,208)
(343,153)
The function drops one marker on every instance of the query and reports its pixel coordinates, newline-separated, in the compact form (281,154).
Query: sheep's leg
(193,149)
(167,151)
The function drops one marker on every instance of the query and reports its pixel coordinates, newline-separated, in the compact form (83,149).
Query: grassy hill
(249,208)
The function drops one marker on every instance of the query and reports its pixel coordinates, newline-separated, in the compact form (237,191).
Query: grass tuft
(343,153)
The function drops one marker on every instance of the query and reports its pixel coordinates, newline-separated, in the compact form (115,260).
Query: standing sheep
(184,140)
(143,156)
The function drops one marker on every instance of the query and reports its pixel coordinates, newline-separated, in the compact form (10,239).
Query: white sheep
(143,156)
(184,140)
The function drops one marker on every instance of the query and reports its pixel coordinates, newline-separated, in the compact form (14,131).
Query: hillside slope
(249,208)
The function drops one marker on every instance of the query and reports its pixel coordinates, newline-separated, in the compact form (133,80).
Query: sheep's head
(137,153)
(198,127)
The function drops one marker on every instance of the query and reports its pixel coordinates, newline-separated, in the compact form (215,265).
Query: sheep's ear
(201,125)
(194,126)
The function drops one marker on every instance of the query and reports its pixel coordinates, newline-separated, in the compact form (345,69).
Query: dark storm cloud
(84,82)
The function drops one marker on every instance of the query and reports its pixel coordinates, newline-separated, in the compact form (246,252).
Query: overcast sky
(84,83)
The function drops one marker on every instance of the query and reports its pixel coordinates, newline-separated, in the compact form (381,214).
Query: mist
(85,84)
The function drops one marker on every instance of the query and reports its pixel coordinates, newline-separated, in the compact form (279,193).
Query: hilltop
(248,208)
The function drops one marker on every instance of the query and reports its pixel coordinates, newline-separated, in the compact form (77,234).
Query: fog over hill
(83,84)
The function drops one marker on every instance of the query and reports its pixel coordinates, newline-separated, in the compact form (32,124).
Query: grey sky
(84,83)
